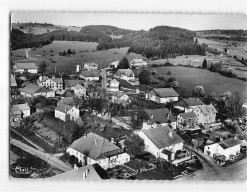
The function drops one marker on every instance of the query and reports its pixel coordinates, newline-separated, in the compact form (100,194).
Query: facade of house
(18,111)
(63,110)
(26,67)
(225,147)
(206,114)
(90,66)
(114,85)
(125,74)
(120,97)
(159,117)
(79,90)
(51,83)
(90,75)
(162,142)
(32,90)
(187,119)
(188,104)
(114,64)
(92,148)
(162,95)
(137,63)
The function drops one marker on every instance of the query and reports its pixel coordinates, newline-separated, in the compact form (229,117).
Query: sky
(136,21)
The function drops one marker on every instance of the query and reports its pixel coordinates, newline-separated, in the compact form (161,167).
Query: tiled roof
(63,108)
(228,143)
(193,101)
(19,107)
(126,72)
(67,100)
(137,61)
(160,115)
(161,138)
(118,94)
(206,109)
(95,146)
(188,115)
(165,92)
(70,83)
(26,66)
(77,175)
(67,93)
(78,86)
(31,88)
(90,73)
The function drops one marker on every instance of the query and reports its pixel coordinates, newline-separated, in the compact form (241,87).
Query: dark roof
(228,143)
(67,100)
(160,115)
(67,93)
(206,109)
(161,138)
(90,73)
(141,88)
(126,72)
(95,146)
(193,101)
(63,108)
(16,109)
(117,94)
(31,88)
(26,66)
(165,92)
(188,115)
(70,83)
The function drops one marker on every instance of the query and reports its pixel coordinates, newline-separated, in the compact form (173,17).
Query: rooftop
(165,92)
(160,115)
(16,109)
(125,72)
(207,108)
(70,83)
(228,143)
(26,66)
(188,115)
(31,88)
(63,108)
(137,61)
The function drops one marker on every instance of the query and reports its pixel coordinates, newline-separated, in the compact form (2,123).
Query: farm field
(85,51)
(189,78)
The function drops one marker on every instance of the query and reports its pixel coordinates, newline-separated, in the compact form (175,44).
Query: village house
(92,148)
(79,90)
(13,84)
(137,63)
(51,83)
(125,74)
(164,143)
(188,104)
(229,148)
(63,110)
(90,66)
(69,84)
(120,98)
(18,111)
(162,95)
(159,117)
(26,67)
(206,114)
(114,85)
(32,90)
(67,100)
(187,120)
(114,64)
(90,76)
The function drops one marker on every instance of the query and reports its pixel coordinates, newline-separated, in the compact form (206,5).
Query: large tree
(42,67)
(134,145)
(124,64)
(199,91)
(204,64)
(144,77)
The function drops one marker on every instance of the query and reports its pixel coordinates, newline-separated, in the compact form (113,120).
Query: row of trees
(69,52)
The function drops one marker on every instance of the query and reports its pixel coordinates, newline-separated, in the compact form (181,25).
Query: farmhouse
(159,117)
(137,63)
(90,76)
(114,85)
(51,83)
(79,90)
(206,114)
(187,119)
(229,148)
(18,111)
(120,98)
(92,148)
(32,90)
(162,95)
(63,110)
(162,142)
(91,66)
(114,65)
(125,74)
(26,67)
(188,104)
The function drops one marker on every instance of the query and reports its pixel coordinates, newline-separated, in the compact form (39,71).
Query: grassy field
(85,51)
(189,78)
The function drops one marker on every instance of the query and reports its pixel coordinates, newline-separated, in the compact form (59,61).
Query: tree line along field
(189,78)
(85,51)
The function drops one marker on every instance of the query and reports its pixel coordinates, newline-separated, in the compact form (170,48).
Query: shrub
(169,72)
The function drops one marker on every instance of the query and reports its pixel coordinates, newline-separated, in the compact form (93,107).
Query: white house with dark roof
(90,75)
(79,90)
(162,95)
(92,148)
(159,117)
(188,104)
(125,74)
(32,90)
(187,119)
(51,83)
(114,64)
(162,142)
(137,63)
(26,67)
(63,110)
(206,114)
(120,97)
(18,111)
(229,148)
(114,85)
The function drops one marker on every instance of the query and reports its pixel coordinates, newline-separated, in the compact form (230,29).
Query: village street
(55,162)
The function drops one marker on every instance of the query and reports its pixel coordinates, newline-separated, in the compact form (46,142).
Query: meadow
(189,78)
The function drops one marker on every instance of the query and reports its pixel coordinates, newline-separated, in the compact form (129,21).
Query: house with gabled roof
(51,83)
(114,64)
(114,85)
(162,95)
(188,104)
(79,90)
(206,114)
(159,117)
(32,90)
(90,66)
(92,148)
(26,67)
(70,83)
(137,63)
(63,110)
(90,75)
(125,74)
(162,142)
(187,119)
(228,148)
(119,97)
(18,111)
